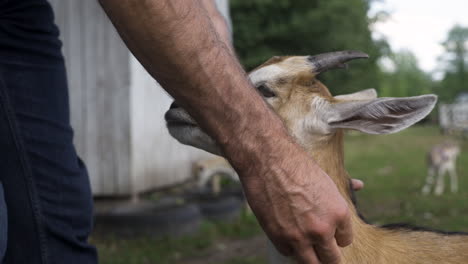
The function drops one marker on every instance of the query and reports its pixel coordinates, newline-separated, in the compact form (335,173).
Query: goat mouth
(173,123)
(184,129)
(174,119)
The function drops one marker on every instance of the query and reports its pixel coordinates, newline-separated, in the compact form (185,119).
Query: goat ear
(367,94)
(381,115)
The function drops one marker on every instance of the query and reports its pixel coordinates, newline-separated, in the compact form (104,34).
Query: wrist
(261,147)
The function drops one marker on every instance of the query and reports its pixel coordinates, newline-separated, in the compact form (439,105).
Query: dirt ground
(227,250)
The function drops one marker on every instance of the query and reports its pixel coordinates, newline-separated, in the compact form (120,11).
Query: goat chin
(195,137)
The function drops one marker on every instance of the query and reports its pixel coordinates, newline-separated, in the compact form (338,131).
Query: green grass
(393,169)
(169,250)
(254,260)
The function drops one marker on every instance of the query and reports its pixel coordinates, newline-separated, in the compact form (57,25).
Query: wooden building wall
(116,107)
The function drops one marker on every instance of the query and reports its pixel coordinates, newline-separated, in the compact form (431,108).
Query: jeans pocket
(3,224)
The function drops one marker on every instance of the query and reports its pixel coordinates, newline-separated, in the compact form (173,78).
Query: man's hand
(298,205)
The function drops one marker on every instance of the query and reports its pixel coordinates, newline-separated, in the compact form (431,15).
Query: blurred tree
(455,63)
(405,78)
(264,28)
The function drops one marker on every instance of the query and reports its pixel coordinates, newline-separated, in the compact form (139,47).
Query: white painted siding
(116,107)
(157,158)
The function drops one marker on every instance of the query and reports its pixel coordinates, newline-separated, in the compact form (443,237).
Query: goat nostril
(173,105)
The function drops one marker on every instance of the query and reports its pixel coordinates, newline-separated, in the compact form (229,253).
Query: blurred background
(160,202)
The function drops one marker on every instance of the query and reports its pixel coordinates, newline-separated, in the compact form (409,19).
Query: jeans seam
(2,198)
(26,64)
(33,196)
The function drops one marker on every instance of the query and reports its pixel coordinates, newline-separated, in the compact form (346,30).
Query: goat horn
(327,61)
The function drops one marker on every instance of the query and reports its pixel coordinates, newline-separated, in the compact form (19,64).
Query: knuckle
(343,214)
(293,237)
(335,260)
(321,231)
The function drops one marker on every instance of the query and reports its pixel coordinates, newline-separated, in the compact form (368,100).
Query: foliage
(455,62)
(142,250)
(265,28)
(406,79)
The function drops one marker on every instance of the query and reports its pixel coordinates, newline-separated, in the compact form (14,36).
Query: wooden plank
(75,70)
(107,109)
(116,110)
(89,126)
(97,106)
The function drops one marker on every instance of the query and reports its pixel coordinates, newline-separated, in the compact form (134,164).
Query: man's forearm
(178,45)
(219,22)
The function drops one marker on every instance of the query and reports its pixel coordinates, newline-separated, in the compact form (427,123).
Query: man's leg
(430,179)
(3,225)
(454,178)
(46,185)
(440,184)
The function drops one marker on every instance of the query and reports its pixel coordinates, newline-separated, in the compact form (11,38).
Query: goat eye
(265,91)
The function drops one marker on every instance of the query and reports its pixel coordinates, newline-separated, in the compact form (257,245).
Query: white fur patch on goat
(316,122)
(267,73)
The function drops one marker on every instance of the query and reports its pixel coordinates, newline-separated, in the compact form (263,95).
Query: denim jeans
(46,187)
(3,224)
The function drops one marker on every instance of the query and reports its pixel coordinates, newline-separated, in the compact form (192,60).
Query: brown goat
(316,120)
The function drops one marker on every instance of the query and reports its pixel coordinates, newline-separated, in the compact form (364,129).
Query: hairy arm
(296,203)
(219,23)
(178,45)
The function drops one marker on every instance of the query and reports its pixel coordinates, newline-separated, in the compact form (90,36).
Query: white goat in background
(210,170)
(441,160)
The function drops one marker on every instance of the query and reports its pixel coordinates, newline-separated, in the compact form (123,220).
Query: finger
(344,233)
(357,184)
(306,255)
(328,252)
